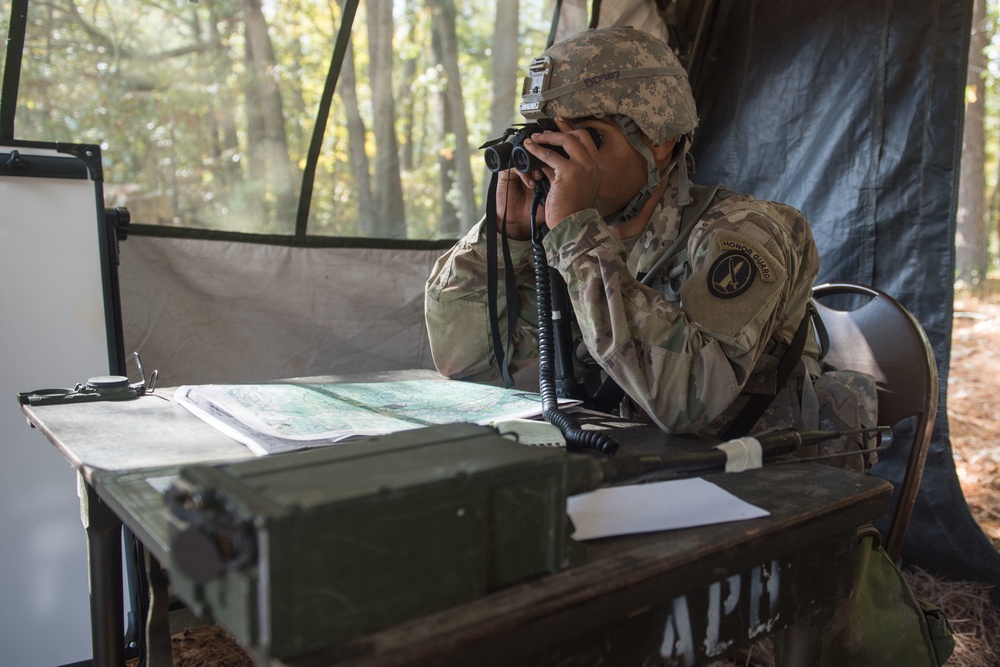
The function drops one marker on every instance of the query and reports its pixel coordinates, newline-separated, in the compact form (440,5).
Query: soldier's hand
(574,180)
(514,195)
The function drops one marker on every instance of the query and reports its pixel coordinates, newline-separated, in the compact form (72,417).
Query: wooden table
(683,595)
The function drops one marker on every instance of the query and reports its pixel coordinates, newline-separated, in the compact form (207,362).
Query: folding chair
(883,339)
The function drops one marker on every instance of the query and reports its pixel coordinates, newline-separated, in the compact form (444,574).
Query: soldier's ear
(663,152)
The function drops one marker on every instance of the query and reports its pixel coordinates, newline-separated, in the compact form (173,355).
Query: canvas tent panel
(852,112)
(872,151)
(218,311)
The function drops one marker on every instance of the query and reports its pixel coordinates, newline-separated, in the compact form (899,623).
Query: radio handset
(555,344)
(556,375)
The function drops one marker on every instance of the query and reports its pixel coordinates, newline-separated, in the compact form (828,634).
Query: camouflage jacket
(684,361)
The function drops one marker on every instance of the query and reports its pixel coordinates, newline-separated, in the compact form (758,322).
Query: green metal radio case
(295,552)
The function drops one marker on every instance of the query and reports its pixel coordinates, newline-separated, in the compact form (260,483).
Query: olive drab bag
(881,622)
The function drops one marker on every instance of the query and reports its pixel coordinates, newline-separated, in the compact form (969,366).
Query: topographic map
(270,418)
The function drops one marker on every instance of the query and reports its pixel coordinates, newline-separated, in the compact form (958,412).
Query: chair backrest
(883,339)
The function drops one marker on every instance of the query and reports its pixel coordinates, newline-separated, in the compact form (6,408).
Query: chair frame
(894,404)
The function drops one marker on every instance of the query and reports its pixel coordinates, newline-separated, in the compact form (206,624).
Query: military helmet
(616,71)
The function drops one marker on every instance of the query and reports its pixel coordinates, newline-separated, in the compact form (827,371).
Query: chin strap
(654,177)
(685,166)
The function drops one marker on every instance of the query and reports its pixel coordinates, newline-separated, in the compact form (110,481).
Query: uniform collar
(661,230)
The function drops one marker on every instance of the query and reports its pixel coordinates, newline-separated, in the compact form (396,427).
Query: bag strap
(759,403)
(704,198)
(501,348)
(822,335)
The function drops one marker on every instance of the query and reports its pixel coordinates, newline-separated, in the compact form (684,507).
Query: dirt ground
(974,406)
(974,422)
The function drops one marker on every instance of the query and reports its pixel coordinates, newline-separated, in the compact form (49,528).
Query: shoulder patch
(731,274)
(759,259)
(728,293)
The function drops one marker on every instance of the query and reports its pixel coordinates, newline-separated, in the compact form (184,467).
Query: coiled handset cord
(576,437)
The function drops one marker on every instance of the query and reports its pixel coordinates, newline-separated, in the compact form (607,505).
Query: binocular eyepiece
(509,151)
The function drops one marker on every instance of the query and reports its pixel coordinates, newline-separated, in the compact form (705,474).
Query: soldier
(689,332)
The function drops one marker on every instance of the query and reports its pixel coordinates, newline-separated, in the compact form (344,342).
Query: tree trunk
(225,135)
(506,85)
(356,134)
(449,223)
(407,103)
(255,160)
(444,27)
(279,173)
(574,16)
(406,95)
(971,257)
(388,188)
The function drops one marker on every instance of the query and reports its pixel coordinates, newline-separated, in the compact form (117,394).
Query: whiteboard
(54,332)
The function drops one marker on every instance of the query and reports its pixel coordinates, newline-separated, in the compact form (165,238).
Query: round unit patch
(731,274)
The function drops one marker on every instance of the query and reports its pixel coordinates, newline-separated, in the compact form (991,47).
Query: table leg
(801,644)
(104,547)
(159,652)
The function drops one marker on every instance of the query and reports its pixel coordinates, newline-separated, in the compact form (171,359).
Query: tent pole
(12,71)
(350,8)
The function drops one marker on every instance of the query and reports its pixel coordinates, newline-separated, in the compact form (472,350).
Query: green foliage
(172,94)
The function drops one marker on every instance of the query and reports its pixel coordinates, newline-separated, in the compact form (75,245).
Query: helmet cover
(612,71)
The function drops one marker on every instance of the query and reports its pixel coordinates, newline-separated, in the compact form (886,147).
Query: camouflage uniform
(687,357)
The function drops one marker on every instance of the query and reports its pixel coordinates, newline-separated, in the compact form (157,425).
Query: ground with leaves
(974,406)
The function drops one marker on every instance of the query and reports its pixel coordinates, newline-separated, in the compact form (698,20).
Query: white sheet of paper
(646,508)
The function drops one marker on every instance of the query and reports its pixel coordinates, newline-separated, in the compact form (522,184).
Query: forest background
(205,111)
(976,248)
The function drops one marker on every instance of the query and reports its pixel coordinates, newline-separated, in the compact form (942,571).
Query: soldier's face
(624,167)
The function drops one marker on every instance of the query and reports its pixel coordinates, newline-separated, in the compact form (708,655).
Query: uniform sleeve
(684,366)
(457,312)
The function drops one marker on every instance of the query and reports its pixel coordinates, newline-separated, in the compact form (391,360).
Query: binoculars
(509,151)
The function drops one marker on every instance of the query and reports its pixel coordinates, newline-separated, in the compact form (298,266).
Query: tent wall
(852,112)
(218,311)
